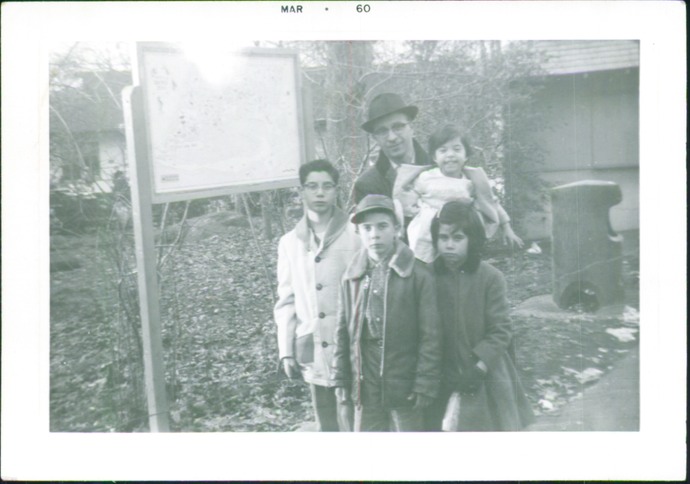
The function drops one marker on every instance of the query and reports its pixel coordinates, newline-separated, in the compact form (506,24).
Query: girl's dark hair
(444,135)
(463,216)
(318,165)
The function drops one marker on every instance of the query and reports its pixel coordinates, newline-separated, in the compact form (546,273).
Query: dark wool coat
(380,178)
(476,324)
(411,354)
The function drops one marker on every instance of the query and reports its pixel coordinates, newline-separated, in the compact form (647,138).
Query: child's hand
(471,381)
(510,238)
(290,367)
(420,401)
(342,395)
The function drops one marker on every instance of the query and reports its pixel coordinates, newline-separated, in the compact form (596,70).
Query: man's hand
(290,367)
(420,401)
(509,237)
(342,395)
(471,381)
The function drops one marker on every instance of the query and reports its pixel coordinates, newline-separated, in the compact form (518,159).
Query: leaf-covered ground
(219,337)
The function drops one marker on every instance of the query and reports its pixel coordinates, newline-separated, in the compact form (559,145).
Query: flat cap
(373,202)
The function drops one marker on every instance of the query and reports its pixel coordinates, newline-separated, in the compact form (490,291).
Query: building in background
(88,147)
(590,101)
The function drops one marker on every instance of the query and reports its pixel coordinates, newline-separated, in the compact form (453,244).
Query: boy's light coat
(308,289)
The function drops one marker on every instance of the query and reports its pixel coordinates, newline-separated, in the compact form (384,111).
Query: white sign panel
(233,126)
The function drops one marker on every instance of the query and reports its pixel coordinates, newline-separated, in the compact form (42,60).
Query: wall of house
(111,153)
(592,133)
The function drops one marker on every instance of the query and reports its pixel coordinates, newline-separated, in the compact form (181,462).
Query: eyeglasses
(314,187)
(396,128)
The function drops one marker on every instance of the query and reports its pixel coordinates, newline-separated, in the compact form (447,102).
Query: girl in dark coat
(477,360)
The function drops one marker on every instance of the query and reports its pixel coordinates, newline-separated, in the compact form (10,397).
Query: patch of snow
(534,249)
(624,335)
(631,316)
(545,404)
(589,375)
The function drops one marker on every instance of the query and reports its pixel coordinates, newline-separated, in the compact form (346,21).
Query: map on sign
(241,131)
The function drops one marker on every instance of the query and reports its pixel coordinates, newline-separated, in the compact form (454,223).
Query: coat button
(317,258)
(319,287)
(324,344)
(322,315)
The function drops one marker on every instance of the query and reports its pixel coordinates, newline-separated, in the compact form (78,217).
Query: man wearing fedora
(389,122)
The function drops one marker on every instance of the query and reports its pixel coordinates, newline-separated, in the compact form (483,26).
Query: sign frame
(303,122)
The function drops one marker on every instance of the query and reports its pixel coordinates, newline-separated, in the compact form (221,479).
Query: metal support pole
(142,219)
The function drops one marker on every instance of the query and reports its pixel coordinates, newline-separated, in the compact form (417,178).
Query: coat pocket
(304,349)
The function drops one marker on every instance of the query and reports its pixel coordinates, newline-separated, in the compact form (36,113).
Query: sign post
(142,222)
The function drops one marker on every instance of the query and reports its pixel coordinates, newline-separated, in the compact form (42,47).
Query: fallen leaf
(570,370)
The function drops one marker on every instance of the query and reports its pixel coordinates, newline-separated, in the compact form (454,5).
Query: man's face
(378,232)
(394,135)
(319,192)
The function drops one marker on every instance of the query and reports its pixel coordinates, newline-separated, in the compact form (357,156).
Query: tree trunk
(344,140)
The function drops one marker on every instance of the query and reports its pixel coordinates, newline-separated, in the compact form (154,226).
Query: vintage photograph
(346,235)
(441,240)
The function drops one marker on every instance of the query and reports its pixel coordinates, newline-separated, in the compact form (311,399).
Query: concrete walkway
(611,404)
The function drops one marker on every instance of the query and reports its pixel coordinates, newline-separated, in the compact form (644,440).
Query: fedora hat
(385,104)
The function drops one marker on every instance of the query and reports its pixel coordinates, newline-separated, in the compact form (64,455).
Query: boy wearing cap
(388,341)
(311,260)
(389,122)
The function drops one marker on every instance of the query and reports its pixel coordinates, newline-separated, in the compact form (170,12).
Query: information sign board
(212,135)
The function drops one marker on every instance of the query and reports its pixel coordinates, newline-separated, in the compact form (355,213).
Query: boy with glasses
(311,260)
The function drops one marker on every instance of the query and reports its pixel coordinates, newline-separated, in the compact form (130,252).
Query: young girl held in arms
(422,191)
(478,362)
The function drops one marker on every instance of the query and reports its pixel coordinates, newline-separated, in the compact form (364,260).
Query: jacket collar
(402,262)
(383,164)
(468,267)
(439,266)
(336,226)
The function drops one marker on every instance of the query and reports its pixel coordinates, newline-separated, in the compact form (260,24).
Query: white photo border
(31,452)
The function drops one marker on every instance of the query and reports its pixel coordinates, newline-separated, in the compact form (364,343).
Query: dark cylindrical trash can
(587,253)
